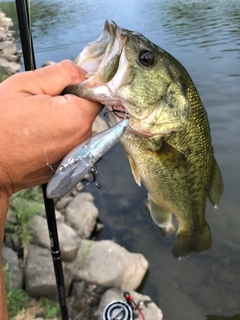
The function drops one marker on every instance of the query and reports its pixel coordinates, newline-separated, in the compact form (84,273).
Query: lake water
(205,37)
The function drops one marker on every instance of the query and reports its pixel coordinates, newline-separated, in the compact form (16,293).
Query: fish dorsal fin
(216,186)
(160,215)
(134,169)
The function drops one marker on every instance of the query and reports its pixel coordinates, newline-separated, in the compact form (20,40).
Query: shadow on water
(212,317)
(205,37)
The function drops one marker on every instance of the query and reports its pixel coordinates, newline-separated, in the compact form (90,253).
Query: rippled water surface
(205,37)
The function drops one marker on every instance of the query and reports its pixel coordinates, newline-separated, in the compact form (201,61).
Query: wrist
(4,202)
(6,185)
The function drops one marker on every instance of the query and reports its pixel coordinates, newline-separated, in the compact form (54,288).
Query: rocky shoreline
(96,272)
(9,54)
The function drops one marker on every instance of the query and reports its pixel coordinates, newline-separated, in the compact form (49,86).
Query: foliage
(17,299)
(24,206)
(34,194)
(51,308)
(4,76)
(85,253)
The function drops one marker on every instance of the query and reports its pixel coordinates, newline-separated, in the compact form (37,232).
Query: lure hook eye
(117,113)
(94,175)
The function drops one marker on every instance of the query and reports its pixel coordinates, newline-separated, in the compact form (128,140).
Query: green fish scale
(178,182)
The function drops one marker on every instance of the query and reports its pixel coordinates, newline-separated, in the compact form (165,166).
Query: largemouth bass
(168,140)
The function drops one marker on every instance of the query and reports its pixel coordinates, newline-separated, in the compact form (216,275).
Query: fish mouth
(99,58)
(101,61)
(107,69)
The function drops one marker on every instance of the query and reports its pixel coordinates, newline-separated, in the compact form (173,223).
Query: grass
(51,308)
(23,207)
(17,299)
(4,76)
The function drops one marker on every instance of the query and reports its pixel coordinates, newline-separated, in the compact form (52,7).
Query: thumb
(51,80)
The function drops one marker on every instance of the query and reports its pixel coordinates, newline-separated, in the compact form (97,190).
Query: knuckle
(70,70)
(73,73)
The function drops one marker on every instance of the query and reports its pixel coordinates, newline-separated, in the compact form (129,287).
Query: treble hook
(93,172)
(50,167)
(81,160)
(117,112)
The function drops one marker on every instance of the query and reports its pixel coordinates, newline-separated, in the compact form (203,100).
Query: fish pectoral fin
(160,215)
(197,242)
(169,155)
(216,187)
(135,170)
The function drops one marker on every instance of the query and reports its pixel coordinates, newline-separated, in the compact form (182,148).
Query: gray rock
(107,264)
(4,44)
(11,58)
(13,243)
(3,35)
(99,227)
(39,274)
(78,288)
(5,21)
(10,258)
(79,187)
(149,309)
(68,240)
(10,49)
(75,191)
(11,238)
(9,55)
(59,216)
(81,214)
(9,67)
(83,304)
(62,203)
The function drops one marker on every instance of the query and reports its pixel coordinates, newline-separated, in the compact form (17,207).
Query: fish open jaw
(98,54)
(107,67)
(97,58)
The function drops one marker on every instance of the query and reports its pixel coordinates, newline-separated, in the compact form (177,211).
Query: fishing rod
(30,64)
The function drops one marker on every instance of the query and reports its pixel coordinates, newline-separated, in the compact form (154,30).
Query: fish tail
(199,242)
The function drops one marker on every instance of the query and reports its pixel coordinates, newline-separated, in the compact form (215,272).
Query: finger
(68,113)
(51,80)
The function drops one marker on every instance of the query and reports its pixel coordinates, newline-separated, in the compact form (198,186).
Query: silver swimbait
(81,160)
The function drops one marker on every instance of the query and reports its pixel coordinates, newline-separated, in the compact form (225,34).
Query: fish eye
(146,58)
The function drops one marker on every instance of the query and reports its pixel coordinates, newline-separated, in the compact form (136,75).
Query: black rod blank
(29,63)
(25,34)
(56,253)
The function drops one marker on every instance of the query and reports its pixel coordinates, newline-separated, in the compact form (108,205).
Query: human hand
(38,125)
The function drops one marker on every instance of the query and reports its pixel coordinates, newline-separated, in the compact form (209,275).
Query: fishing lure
(81,160)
